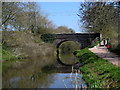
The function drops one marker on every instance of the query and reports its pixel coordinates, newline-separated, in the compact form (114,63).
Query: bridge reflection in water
(73,79)
(83,39)
(60,61)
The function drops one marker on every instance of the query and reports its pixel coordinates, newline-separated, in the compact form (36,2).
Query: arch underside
(84,42)
(60,42)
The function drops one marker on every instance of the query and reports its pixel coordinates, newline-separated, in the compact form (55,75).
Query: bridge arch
(58,45)
(58,53)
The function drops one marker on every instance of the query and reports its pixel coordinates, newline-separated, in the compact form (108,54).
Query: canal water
(43,72)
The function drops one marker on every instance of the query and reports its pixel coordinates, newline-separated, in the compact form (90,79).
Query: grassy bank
(24,46)
(8,59)
(97,72)
(7,54)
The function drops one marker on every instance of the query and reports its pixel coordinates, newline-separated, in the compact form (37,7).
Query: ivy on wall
(48,38)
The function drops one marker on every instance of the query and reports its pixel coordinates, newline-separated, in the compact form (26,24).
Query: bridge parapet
(77,35)
(85,39)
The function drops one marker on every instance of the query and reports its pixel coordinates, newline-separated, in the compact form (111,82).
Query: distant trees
(49,36)
(64,29)
(101,17)
(19,16)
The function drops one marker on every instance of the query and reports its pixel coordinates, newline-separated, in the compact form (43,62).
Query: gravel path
(105,54)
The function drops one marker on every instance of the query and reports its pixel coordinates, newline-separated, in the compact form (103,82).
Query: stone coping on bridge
(76,33)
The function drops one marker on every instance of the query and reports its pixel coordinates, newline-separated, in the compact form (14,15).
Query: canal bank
(39,72)
(98,72)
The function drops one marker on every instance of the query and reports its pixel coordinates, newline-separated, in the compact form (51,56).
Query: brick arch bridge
(84,39)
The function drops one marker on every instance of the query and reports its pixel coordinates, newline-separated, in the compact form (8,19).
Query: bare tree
(100,17)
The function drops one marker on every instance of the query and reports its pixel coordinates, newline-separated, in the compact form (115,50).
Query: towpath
(105,54)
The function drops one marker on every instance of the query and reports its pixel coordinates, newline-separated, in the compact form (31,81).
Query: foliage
(19,16)
(64,29)
(97,72)
(48,37)
(8,58)
(7,53)
(116,50)
(101,17)
(94,44)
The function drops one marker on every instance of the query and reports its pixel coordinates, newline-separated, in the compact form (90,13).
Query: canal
(44,72)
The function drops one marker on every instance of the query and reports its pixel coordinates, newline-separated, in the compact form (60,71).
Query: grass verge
(97,72)
(8,59)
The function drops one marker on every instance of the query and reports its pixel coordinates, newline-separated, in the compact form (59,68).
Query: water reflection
(65,51)
(54,80)
(13,81)
(29,74)
(67,59)
(27,81)
(65,80)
